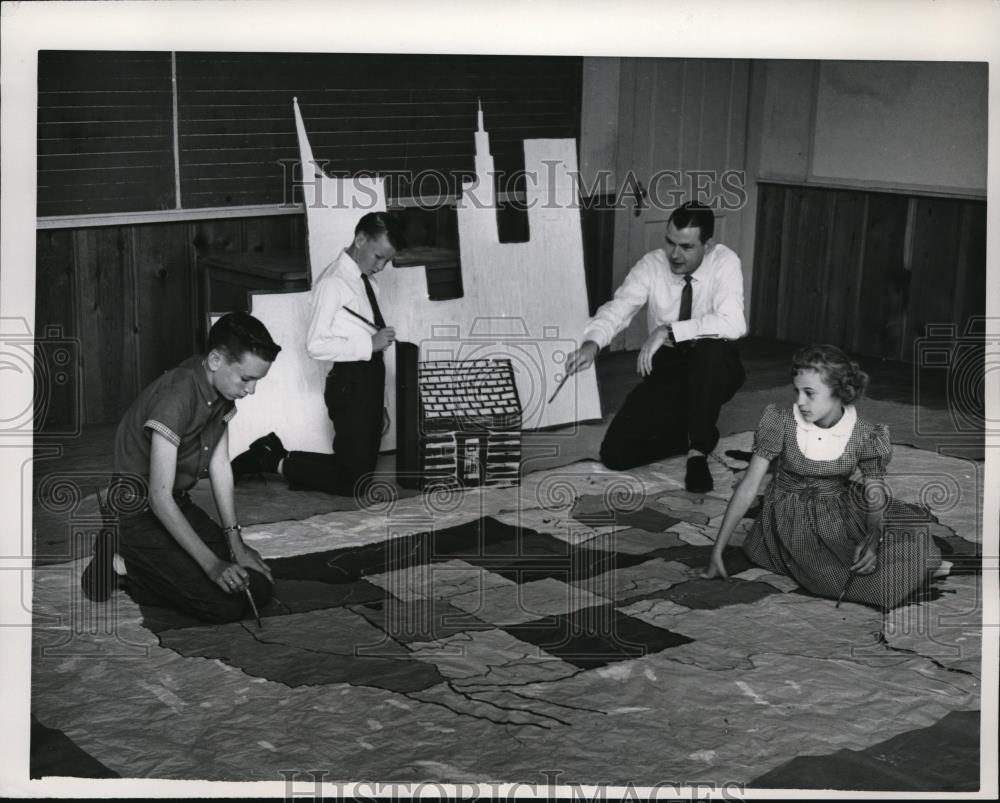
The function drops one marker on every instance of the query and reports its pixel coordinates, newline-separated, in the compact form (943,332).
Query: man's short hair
(694,215)
(375,224)
(236,333)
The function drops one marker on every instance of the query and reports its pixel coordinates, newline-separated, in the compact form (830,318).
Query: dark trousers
(354,398)
(162,573)
(676,407)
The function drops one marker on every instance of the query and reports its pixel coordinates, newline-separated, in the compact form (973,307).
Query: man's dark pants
(676,407)
(162,573)
(354,398)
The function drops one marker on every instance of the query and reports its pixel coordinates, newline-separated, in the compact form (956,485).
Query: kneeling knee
(615,458)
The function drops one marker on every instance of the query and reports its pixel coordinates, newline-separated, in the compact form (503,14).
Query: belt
(810,487)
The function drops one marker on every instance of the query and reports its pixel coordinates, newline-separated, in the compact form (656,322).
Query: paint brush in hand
(850,577)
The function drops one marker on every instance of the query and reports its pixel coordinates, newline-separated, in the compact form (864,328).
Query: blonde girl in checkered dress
(816,525)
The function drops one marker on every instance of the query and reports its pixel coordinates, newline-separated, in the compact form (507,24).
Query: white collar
(345,263)
(842,429)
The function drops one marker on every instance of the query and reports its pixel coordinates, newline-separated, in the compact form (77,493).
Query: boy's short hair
(694,215)
(236,333)
(375,224)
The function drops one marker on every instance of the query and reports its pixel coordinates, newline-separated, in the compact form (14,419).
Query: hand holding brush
(865,561)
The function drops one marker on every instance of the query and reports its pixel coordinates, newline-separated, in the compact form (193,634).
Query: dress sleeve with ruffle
(769,441)
(875,452)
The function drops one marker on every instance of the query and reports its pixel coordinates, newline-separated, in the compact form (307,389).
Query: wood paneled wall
(132,297)
(867,271)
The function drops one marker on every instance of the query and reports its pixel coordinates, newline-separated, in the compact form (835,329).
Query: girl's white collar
(842,429)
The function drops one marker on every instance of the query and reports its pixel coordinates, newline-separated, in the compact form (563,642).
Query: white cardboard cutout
(523,301)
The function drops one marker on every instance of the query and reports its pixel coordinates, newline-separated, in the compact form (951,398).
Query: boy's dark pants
(161,573)
(354,398)
(676,407)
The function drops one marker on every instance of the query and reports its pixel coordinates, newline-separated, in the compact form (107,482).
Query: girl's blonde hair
(842,374)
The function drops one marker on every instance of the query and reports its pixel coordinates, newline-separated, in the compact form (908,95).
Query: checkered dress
(813,517)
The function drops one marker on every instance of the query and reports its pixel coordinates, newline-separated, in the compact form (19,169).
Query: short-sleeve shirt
(182,406)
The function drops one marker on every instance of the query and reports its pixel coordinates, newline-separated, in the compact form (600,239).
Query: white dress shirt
(334,334)
(819,443)
(716,299)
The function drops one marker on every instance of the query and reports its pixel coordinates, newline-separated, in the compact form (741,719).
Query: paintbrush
(559,387)
(853,574)
(361,318)
(253,607)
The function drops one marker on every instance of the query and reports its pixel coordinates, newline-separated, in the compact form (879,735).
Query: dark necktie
(686,300)
(376,312)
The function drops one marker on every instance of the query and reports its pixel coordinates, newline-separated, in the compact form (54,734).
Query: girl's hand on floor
(865,560)
(716,568)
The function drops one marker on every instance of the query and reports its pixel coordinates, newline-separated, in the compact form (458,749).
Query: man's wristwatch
(670,334)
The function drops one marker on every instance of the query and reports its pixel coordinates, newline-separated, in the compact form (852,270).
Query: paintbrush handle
(847,585)
(253,607)
(361,318)
(559,387)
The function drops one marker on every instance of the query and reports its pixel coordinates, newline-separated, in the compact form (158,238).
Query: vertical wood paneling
(805,263)
(843,268)
(767,260)
(55,306)
(831,266)
(886,283)
(970,279)
(937,248)
(105,289)
(167,312)
(275,233)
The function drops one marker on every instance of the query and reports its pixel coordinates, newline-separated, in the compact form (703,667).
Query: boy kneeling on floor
(171,552)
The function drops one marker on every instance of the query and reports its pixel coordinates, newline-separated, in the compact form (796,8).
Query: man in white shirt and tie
(346,327)
(693,292)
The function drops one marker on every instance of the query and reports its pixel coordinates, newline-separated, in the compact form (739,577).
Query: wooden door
(682,135)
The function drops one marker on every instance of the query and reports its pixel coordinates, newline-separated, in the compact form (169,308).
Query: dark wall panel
(364,113)
(166,295)
(106,127)
(105,132)
(863,270)
(107,325)
(841,288)
(767,260)
(885,282)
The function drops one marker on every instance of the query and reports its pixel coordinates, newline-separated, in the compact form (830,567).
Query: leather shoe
(697,478)
(99,580)
(262,457)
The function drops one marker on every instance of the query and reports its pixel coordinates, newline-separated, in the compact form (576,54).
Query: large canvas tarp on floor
(502,634)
